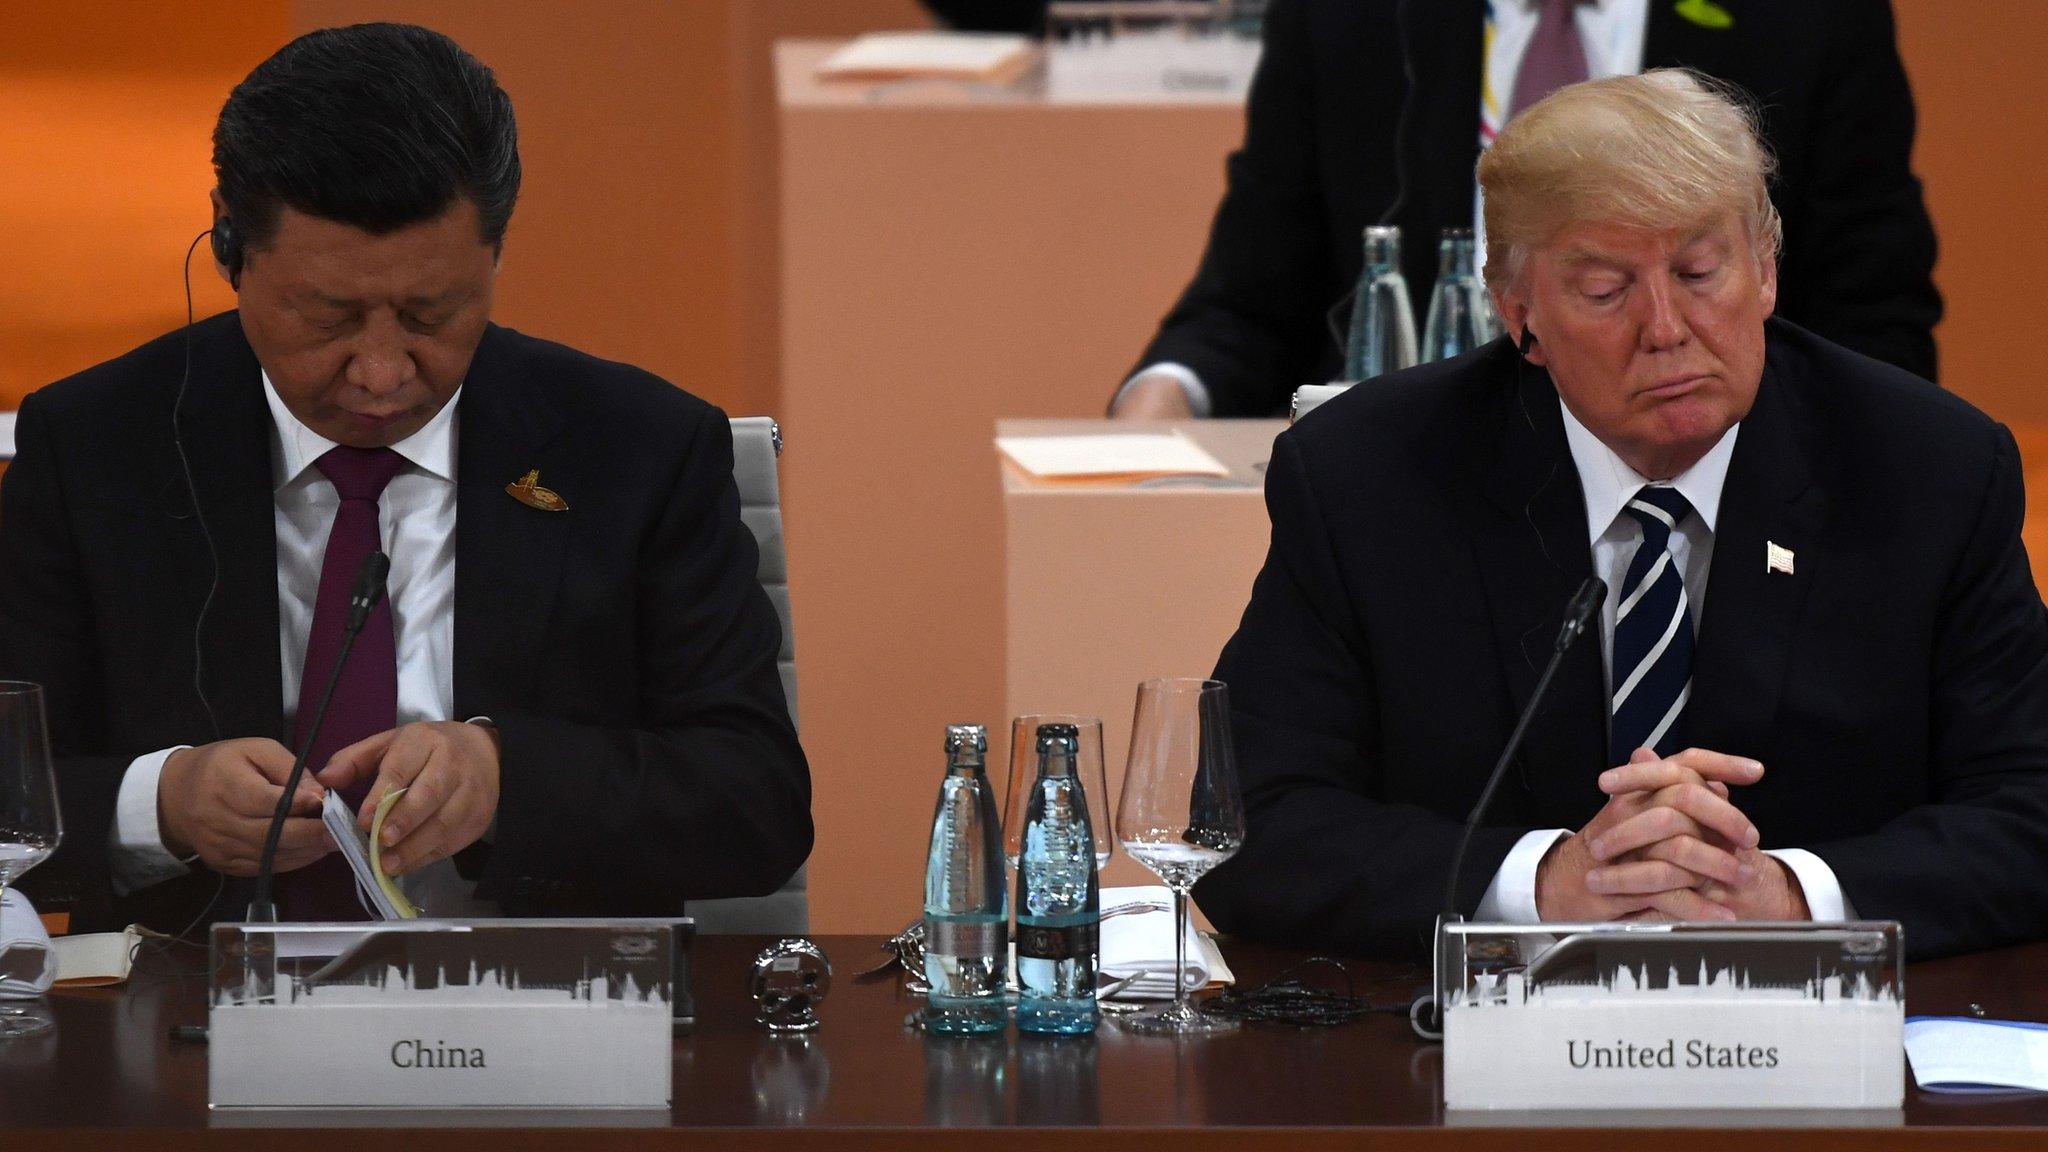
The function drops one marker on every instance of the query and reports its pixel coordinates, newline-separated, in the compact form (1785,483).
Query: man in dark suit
(577,688)
(1820,686)
(1373,111)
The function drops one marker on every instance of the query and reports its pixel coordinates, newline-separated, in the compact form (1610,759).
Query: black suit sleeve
(1976,847)
(1859,247)
(1326,862)
(1252,322)
(709,795)
(47,637)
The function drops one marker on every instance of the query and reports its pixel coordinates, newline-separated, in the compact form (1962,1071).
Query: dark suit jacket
(1319,164)
(622,647)
(1428,530)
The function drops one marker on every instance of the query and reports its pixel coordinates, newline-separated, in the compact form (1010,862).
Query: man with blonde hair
(1856,722)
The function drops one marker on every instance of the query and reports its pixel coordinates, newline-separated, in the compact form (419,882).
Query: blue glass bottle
(1059,907)
(1382,334)
(966,898)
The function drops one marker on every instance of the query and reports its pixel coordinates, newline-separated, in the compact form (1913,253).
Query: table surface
(866,1080)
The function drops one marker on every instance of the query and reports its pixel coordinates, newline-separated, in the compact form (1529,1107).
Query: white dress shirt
(1611,31)
(1608,483)
(416,517)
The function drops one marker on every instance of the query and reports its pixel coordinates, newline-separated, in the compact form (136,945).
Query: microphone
(1426,1013)
(369,588)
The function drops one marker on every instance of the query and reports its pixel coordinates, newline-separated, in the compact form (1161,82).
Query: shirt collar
(1608,482)
(295,447)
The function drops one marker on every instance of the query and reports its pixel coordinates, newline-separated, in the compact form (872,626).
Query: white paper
(1111,454)
(6,435)
(26,964)
(1143,942)
(949,54)
(341,824)
(94,959)
(1951,1054)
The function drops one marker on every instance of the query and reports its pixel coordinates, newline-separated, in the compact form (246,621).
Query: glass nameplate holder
(1686,1015)
(553,1014)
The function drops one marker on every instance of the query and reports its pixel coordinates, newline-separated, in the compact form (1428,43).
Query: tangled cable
(1288,999)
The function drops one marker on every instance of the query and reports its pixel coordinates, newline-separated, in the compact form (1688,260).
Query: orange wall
(106,119)
(1983,156)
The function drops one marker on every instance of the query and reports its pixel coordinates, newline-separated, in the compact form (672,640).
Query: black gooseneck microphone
(369,588)
(1426,1013)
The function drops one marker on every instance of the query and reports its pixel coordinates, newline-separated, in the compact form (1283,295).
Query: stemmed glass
(30,825)
(1088,767)
(1180,815)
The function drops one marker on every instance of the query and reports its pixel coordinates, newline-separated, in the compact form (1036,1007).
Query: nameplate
(1699,1019)
(488,1015)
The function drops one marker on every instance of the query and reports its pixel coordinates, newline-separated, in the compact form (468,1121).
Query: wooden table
(109,1076)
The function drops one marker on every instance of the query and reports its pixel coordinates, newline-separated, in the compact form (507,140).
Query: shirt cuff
(1198,394)
(137,856)
(1511,898)
(1824,898)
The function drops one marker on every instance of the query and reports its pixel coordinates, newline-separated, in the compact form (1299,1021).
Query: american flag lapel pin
(1777,558)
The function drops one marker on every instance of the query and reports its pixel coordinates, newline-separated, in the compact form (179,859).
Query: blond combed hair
(1666,150)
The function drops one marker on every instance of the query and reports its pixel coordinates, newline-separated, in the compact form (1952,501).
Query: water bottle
(1059,908)
(1382,335)
(1460,316)
(966,898)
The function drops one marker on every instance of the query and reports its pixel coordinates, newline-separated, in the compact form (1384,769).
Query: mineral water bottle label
(958,938)
(1072,942)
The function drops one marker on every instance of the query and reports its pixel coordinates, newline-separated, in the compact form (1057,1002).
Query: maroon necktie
(1555,56)
(366,696)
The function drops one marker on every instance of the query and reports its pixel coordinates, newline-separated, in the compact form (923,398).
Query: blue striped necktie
(1652,634)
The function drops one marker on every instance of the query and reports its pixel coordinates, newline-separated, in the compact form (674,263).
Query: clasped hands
(1668,845)
(216,800)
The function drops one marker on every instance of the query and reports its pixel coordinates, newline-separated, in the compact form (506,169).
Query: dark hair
(373,125)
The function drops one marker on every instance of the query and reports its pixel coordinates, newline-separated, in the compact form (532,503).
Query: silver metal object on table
(789,981)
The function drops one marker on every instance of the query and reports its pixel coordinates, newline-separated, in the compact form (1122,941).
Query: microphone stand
(1425,1015)
(368,589)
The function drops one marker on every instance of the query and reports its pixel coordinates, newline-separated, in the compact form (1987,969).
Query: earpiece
(1528,339)
(227,249)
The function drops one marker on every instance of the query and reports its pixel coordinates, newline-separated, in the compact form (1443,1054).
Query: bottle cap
(1064,735)
(960,736)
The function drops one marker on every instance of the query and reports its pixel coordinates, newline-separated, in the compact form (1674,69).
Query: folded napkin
(1142,941)
(27,966)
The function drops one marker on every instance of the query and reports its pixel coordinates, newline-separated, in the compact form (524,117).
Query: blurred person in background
(1376,111)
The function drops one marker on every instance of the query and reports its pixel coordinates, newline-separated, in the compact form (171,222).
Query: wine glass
(30,825)
(1180,815)
(1088,767)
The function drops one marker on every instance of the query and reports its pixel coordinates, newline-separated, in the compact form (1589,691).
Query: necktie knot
(1658,510)
(359,473)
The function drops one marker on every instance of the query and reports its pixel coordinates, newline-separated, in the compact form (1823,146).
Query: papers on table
(989,59)
(355,847)
(1142,941)
(26,964)
(1106,455)
(1958,1054)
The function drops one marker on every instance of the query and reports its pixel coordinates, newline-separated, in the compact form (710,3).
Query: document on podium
(1110,455)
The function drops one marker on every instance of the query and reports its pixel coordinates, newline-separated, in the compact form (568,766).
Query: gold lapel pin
(527,491)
